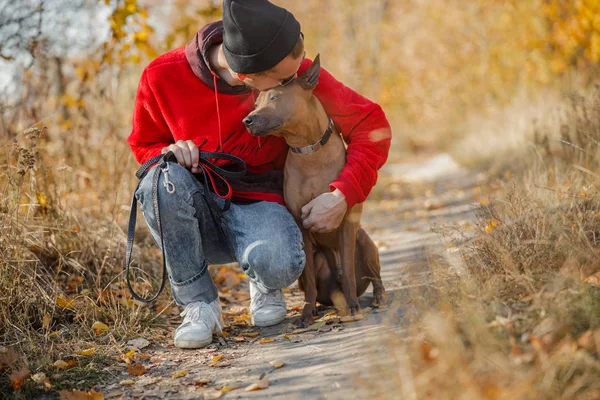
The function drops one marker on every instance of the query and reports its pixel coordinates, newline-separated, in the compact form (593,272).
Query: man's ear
(310,77)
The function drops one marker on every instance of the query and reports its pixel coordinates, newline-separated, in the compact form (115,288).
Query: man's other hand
(187,154)
(325,212)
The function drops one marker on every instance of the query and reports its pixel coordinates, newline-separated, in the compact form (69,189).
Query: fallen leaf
(79,395)
(46,321)
(65,302)
(179,374)
(262,384)
(238,339)
(266,340)
(228,388)
(127,382)
(139,343)
(352,318)
(277,363)
(136,369)
(212,394)
(40,377)
(7,358)
(60,364)
(89,352)
(130,353)
(316,325)
(221,364)
(593,280)
(202,382)
(250,334)
(17,378)
(217,358)
(99,327)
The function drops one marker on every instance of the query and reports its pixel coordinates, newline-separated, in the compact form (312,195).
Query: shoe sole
(269,322)
(195,344)
(192,344)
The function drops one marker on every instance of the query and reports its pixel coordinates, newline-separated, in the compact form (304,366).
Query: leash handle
(208,168)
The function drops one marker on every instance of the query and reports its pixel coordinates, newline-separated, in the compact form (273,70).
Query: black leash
(208,169)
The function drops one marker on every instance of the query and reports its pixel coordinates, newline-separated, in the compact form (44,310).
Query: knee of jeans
(184,182)
(274,264)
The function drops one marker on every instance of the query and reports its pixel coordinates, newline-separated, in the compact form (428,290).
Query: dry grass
(521,319)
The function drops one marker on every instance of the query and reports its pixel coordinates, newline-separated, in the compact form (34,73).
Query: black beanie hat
(257,34)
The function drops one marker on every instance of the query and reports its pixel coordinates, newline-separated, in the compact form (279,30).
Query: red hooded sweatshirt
(177,100)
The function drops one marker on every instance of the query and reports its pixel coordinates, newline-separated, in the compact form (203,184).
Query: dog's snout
(248,121)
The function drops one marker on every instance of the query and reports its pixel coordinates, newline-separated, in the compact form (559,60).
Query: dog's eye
(273,98)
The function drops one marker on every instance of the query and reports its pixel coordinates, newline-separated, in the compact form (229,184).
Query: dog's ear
(310,77)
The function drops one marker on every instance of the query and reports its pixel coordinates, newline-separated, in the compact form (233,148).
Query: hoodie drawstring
(218,111)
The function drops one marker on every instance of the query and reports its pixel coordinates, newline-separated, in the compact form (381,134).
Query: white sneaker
(266,309)
(201,320)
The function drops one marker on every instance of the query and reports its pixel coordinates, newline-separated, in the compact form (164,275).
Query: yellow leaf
(60,364)
(212,395)
(218,358)
(46,321)
(65,302)
(490,226)
(228,388)
(179,374)
(238,339)
(99,327)
(88,352)
(262,384)
(127,382)
(266,340)
(277,363)
(593,280)
(130,353)
(251,334)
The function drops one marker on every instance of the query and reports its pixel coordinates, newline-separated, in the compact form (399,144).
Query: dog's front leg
(348,248)
(309,282)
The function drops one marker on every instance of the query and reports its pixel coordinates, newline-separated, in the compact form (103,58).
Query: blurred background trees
(430,63)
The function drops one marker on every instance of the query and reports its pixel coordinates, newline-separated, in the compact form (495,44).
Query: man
(196,97)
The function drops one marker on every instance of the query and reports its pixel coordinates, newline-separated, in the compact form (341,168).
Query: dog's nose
(248,121)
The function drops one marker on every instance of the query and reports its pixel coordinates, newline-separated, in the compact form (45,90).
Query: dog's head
(279,109)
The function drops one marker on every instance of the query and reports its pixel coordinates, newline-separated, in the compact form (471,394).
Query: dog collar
(314,147)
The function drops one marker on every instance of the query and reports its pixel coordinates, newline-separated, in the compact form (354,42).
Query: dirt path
(335,360)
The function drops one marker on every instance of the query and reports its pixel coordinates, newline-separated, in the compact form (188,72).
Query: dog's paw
(379,298)
(307,317)
(354,307)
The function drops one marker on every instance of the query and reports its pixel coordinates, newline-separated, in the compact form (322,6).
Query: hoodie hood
(196,52)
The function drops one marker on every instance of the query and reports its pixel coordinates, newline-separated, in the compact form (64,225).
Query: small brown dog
(346,257)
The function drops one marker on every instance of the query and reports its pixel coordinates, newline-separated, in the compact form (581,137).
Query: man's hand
(325,212)
(187,154)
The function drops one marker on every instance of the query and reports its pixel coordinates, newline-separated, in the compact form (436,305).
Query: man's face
(280,75)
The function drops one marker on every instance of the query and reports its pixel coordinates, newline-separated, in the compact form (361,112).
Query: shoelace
(193,311)
(261,298)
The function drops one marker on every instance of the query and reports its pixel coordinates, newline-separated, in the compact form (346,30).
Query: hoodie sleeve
(150,133)
(364,128)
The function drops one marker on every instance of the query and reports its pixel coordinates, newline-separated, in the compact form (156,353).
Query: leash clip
(170,186)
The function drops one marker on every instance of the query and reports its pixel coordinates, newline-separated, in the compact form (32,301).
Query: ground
(332,359)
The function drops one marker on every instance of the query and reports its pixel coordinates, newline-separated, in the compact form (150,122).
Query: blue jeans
(262,236)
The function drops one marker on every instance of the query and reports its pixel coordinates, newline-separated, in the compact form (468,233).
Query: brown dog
(346,257)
